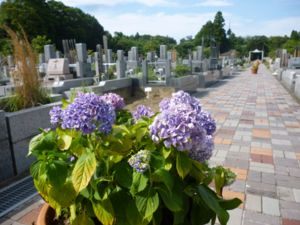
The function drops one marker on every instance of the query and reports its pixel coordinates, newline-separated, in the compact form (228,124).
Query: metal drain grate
(16,194)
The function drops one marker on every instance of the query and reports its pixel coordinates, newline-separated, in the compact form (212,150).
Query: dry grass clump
(28,88)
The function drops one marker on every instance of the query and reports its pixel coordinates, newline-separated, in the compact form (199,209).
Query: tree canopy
(51,19)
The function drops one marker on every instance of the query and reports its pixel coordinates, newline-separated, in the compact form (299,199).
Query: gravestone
(49,52)
(99,60)
(109,56)
(150,56)
(294,63)
(135,55)
(133,58)
(105,46)
(199,52)
(57,54)
(283,58)
(57,70)
(169,55)
(81,52)
(90,59)
(213,57)
(195,56)
(83,69)
(10,61)
(163,52)
(41,58)
(120,65)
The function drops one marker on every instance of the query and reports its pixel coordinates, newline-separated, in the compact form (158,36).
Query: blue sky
(181,18)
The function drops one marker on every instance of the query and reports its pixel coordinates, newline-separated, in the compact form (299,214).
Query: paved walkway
(258,137)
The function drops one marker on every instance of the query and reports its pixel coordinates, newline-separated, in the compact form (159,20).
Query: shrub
(100,163)
(181,70)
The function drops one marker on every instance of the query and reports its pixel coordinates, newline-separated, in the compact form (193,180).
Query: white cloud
(250,27)
(173,25)
(149,3)
(215,3)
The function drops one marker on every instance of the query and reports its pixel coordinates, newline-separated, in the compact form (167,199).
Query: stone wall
(6,161)
(185,83)
(22,126)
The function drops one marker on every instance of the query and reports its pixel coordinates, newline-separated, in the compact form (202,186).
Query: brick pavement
(258,137)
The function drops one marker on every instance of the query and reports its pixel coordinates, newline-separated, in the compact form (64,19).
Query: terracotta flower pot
(254,71)
(46,216)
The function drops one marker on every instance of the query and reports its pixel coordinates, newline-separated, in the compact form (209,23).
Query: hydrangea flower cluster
(142,110)
(87,113)
(183,125)
(140,161)
(55,115)
(115,100)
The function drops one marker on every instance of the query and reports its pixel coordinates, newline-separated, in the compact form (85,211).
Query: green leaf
(200,214)
(165,177)
(147,202)
(64,142)
(166,152)
(230,204)
(140,133)
(125,209)
(172,201)
(123,174)
(83,171)
(38,169)
(83,219)
(183,164)
(157,161)
(139,183)
(57,172)
(64,195)
(211,200)
(104,211)
(43,141)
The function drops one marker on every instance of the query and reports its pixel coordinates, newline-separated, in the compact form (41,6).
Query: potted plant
(100,164)
(255,66)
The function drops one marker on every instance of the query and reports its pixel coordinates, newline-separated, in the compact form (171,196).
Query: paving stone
(296,194)
(285,193)
(290,210)
(270,206)
(253,202)
(235,217)
(290,222)
(261,189)
(255,218)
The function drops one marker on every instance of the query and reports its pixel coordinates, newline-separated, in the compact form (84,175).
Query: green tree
(219,32)
(206,32)
(38,43)
(258,42)
(295,35)
(184,47)
(214,30)
(52,19)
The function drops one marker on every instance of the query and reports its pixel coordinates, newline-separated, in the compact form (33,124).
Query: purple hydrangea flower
(55,115)
(183,125)
(142,110)
(180,97)
(203,152)
(115,100)
(87,113)
(207,122)
(140,161)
